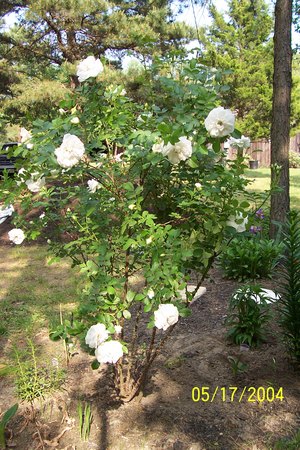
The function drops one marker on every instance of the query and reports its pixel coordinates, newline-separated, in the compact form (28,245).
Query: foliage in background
(39,53)
(294,160)
(250,258)
(240,43)
(248,313)
(289,305)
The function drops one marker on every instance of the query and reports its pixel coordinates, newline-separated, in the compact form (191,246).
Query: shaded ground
(167,417)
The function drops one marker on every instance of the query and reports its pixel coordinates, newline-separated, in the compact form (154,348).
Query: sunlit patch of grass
(31,290)
(261,182)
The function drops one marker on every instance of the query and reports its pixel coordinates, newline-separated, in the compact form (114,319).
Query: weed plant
(35,381)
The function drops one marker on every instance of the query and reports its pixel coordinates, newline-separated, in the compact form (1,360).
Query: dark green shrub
(289,304)
(250,258)
(247,315)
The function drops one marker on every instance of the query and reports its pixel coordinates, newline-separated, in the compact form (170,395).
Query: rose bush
(166,202)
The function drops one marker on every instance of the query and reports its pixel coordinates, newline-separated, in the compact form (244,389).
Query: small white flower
(109,352)
(35,184)
(149,240)
(89,67)
(48,241)
(93,185)
(198,185)
(25,137)
(132,206)
(5,212)
(111,199)
(96,335)
(166,316)
(150,294)
(55,363)
(242,143)
(70,151)
(75,120)
(219,122)
(61,111)
(118,329)
(240,227)
(16,235)
(42,215)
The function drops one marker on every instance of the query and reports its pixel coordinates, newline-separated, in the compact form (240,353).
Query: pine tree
(240,42)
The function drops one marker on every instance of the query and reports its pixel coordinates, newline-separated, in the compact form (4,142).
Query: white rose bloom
(25,136)
(5,211)
(89,67)
(93,185)
(180,151)
(35,184)
(166,316)
(219,122)
(243,142)
(240,227)
(16,235)
(109,352)
(96,335)
(70,152)
(75,120)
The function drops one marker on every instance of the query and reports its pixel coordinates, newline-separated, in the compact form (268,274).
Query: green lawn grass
(31,291)
(261,182)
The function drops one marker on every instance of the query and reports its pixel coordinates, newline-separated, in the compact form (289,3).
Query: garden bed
(166,417)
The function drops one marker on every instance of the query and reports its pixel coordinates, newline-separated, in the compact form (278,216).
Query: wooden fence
(264,155)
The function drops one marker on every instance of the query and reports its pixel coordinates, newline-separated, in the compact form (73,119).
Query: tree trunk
(280,129)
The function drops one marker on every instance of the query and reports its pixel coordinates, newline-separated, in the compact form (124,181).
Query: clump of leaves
(289,304)
(249,259)
(248,313)
(34,381)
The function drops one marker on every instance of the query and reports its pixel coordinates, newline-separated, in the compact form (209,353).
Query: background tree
(280,130)
(240,43)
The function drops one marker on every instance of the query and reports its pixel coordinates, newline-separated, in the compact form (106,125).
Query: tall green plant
(289,304)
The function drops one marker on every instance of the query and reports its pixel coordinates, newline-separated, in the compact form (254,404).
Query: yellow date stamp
(250,394)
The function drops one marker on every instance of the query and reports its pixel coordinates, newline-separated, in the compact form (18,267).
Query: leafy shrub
(289,305)
(248,313)
(294,160)
(250,258)
(156,200)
